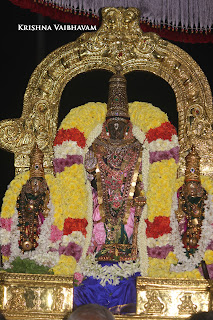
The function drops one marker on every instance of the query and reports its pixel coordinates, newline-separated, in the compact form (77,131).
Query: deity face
(117,128)
(193,190)
(36,184)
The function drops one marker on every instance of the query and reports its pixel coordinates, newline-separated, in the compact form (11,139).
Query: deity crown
(117,106)
(192,172)
(36,163)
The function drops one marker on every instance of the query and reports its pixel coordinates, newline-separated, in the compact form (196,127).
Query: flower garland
(12,193)
(159,174)
(108,274)
(162,268)
(77,131)
(185,263)
(71,225)
(144,117)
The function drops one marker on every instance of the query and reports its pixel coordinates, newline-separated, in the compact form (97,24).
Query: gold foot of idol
(33,297)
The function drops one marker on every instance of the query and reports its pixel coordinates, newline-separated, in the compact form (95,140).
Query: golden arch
(119,39)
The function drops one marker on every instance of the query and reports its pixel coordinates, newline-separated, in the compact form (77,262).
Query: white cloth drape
(187,14)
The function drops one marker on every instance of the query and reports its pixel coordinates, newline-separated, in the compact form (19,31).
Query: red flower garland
(71,225)
(165,131)
(72,134)
(157,228)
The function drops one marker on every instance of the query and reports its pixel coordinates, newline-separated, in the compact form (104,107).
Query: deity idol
(32,203)
(114,163)
(192,198)
(115,169)
(191,222)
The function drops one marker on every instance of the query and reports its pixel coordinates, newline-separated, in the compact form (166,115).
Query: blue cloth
(108,296)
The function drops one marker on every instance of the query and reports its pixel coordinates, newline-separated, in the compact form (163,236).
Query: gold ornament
(192,172)
(36,163)
(117,105)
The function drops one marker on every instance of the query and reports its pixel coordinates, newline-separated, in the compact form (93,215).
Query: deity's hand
(140,201)
(90,161)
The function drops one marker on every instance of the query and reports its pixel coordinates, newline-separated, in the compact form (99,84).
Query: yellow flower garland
(68,188)
(66,266)
(56,197)
(12,193)
(162,176)
(161,268)
(74,193)
(145,116)
(207,184)
(85,118)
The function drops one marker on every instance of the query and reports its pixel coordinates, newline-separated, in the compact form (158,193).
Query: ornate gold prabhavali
(35,296)
(119,39)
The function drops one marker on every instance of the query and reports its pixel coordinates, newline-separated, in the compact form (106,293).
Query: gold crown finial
(192,172)
(117,105)
(36,163)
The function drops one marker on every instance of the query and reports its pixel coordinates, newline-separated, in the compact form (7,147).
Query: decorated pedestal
(28,296)
(32,296)
(160,298)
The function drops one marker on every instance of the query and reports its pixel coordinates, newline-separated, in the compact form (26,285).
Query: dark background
(23,50)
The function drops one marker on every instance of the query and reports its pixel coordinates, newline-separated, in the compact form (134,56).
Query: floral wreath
(70,222)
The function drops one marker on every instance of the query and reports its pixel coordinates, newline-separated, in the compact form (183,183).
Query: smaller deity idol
(191,203)
(32,203)
(114,161)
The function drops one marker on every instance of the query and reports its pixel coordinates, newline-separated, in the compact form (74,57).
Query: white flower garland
(40,254)
(141,237)
(67,148)
(158,242)
(189,264)
(75,236)
(108,274)
(94,134)
(89,227)
(164,145)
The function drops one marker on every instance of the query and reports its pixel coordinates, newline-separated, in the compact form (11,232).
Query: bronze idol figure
(191,202)
(32,203)
(114,161)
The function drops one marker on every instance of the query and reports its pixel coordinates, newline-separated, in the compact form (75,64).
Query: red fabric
(71,225)
(70,134)
(157,228)
(55,13)
(58,14)
(165,132)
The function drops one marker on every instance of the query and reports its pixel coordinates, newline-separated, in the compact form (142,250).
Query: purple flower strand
(164,155)
(159,252)
(5,250)
(5,223)
(72,249)
(210,270)
(210,246)
(60,163)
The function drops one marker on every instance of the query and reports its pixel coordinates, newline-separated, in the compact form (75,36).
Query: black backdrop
(23,50)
